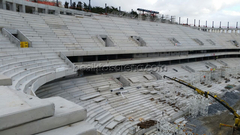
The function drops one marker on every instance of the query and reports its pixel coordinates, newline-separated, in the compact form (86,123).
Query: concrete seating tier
(104,106)
(29,112)
(75,33)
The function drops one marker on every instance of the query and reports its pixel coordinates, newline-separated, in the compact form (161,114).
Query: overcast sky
(210,10)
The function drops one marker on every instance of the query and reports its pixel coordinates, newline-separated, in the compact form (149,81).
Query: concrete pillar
(14,7)
(23,8)
(4,6)
(36,10)
(1,4)
(57,11)
(46,10)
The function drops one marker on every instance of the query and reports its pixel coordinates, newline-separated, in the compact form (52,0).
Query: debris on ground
(147,124)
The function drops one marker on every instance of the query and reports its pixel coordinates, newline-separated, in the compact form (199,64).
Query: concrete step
(18,108)
(65,113)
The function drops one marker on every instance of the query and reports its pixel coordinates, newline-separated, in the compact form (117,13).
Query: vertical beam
(46,10)
(213,24)
(70,3)
(187,21)
(89,5)
(220,25)
(105,8)
(57,11)
(228,25)
(194,22)
(199,25)
(206,23)
(119,8)
(23,8)
(179,20)
(4,4)
(237,25)
(36,10)
(14,7)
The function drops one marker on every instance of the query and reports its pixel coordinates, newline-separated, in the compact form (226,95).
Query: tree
(74,5)
(85,6)
(79,5)
(66,4)
(134,13)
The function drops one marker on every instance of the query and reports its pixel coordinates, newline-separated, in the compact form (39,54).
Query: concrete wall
(36,6)
(1,6)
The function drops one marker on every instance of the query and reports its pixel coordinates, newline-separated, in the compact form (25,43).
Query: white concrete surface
(5,80)
(65,113)
(18,108)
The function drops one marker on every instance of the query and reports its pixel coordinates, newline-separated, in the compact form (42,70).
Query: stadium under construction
(72,72)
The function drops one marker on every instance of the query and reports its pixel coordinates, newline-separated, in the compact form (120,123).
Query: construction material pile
(147,124)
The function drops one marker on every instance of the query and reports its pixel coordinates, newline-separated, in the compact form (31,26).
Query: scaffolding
(198,105)
(225,72)
(166,128)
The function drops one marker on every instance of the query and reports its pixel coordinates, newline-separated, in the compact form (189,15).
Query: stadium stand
(106,103)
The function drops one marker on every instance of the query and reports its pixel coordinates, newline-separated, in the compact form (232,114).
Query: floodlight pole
(89,5)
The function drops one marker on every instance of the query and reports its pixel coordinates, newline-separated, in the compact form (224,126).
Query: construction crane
(206,94)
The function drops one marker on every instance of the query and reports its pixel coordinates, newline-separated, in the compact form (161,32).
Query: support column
(14,7)
(57,11)
(36,10)
(46,10)
(4,4)
(23,8)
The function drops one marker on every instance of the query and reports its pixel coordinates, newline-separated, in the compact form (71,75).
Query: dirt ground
(212,122)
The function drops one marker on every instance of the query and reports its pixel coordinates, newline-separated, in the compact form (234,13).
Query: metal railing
(13,39)
(67,61)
